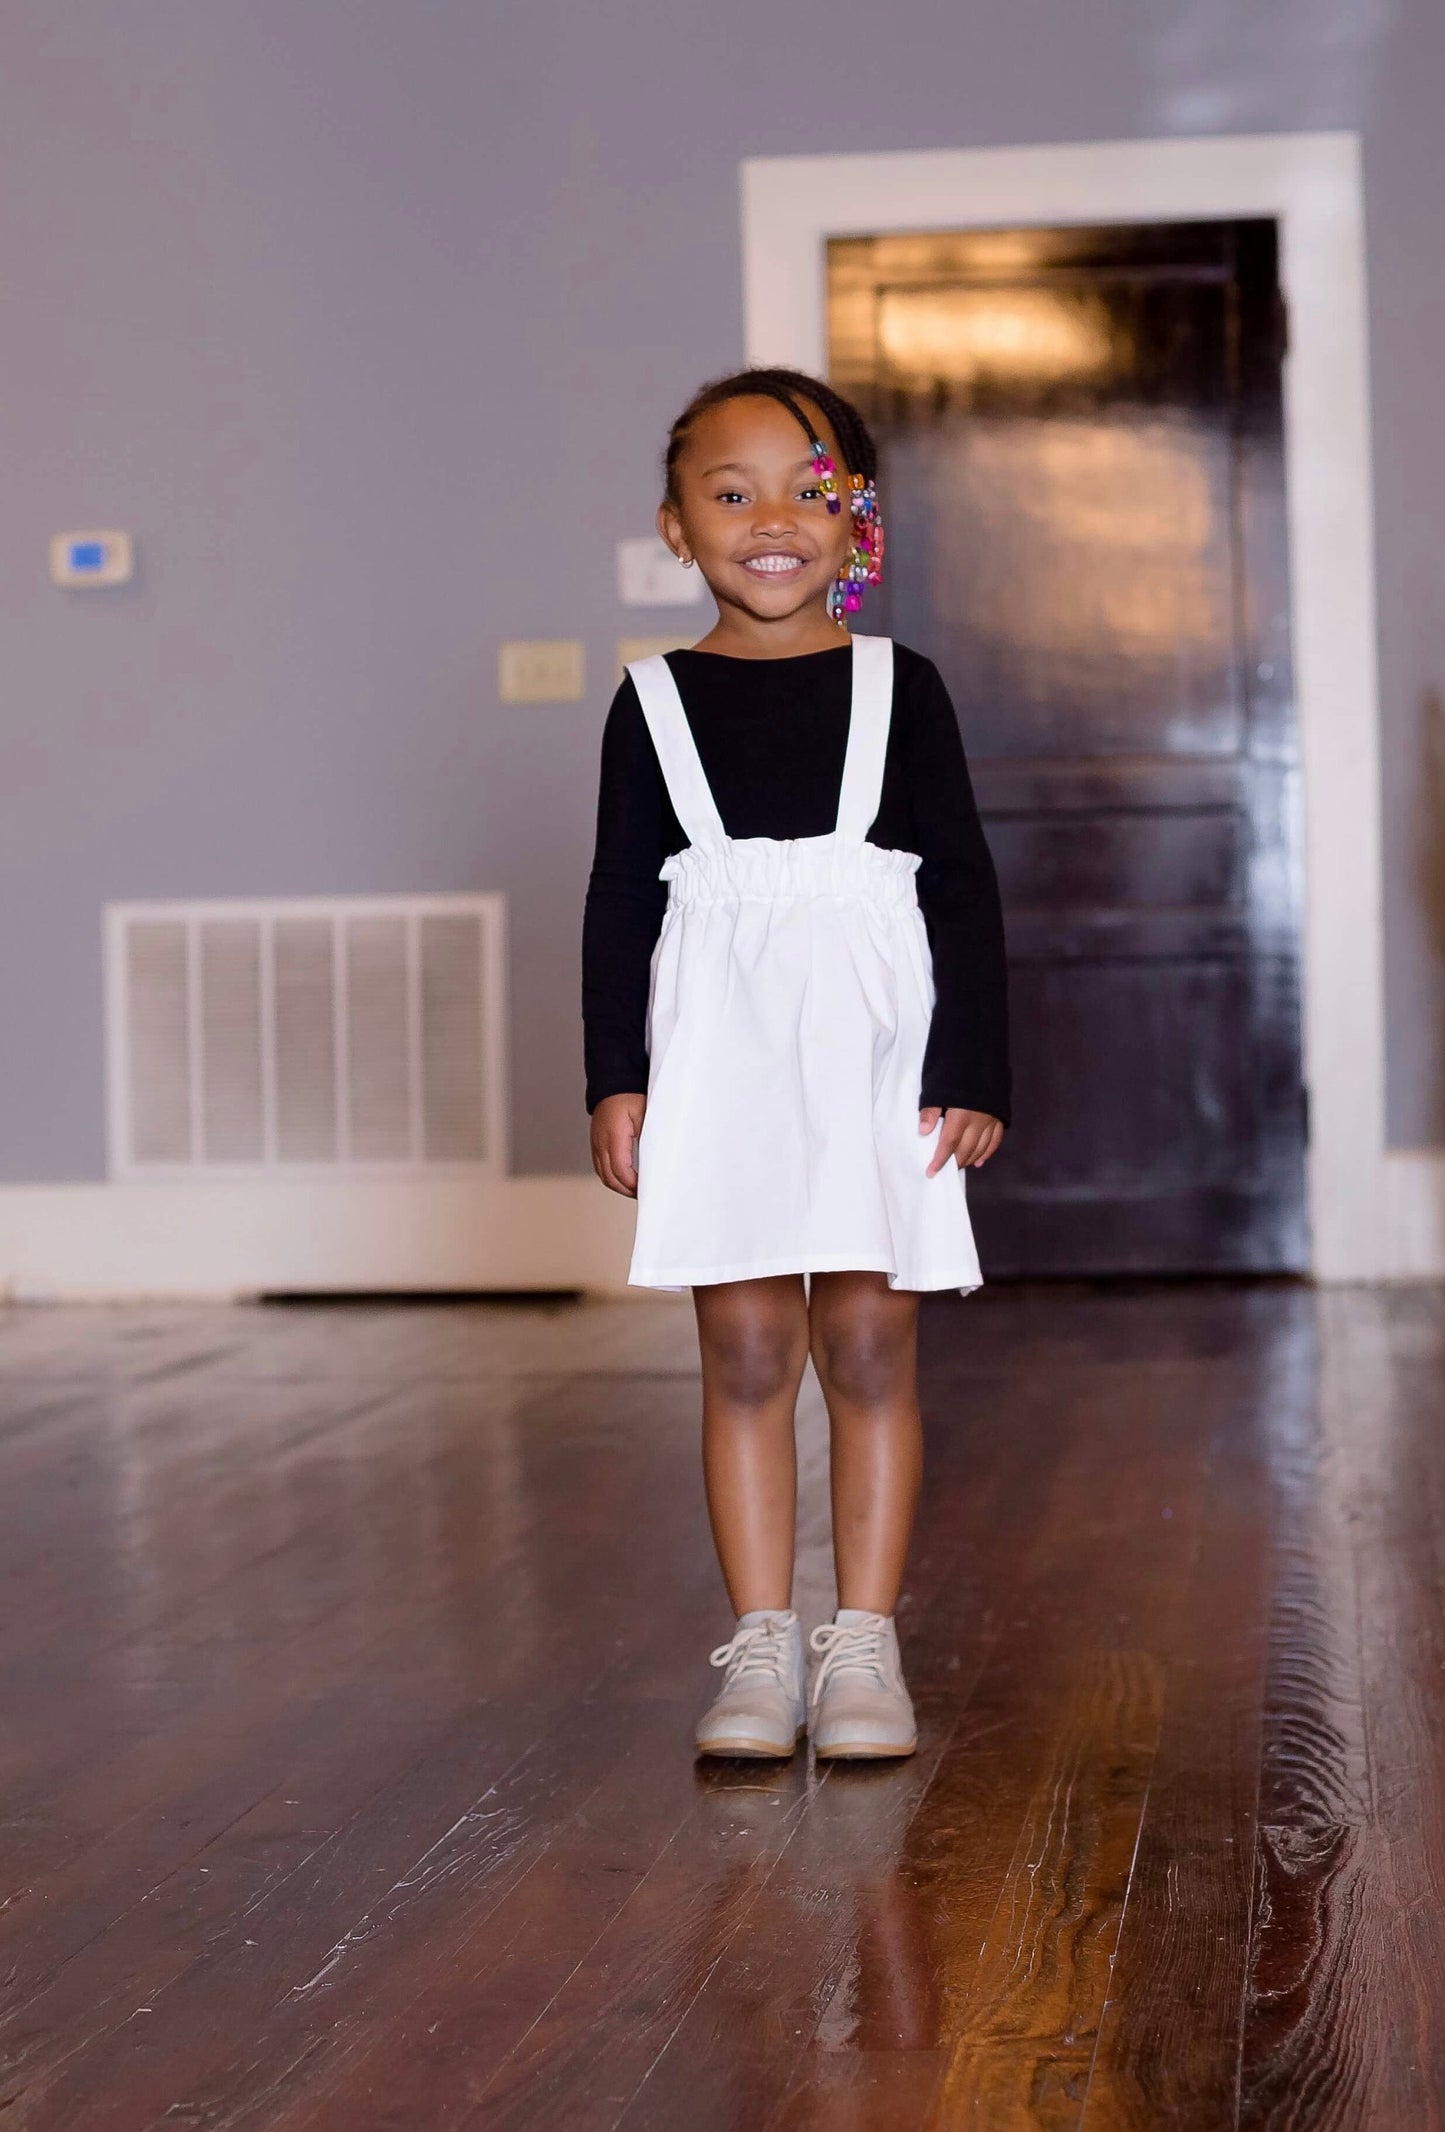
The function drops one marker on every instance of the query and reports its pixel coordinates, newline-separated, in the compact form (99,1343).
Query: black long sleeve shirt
(772,735)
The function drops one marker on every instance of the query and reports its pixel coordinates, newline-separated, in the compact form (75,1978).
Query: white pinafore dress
(789,1004)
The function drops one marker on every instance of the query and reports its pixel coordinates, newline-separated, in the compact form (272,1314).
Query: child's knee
(864,1364)
(752,1361)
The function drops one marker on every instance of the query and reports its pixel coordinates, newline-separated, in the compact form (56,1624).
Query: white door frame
(1372,1215)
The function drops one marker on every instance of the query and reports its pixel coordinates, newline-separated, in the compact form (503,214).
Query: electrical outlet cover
(631,649)
(540,670)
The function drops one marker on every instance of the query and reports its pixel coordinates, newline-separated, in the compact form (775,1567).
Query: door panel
(1120,860)
(1082,483)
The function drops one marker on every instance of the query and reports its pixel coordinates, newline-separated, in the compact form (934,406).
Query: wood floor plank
(1025,2042)
(1379,1488)
(1075,1699)
(1169,2040)
(880,2089)
(1398,1500)
(1316,2048)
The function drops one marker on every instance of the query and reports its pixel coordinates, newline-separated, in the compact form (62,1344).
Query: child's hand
(971,1135)
(616,1123)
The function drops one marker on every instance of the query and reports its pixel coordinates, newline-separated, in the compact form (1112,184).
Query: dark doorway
(1083,483)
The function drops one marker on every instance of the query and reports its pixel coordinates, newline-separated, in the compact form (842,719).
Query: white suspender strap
(869,718)
(682,770)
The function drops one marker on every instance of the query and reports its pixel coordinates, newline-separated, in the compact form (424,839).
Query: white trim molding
(1415,1213)
(1374,1215)
(242,1237)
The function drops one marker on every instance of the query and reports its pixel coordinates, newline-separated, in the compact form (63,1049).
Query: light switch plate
(631,649)
(540,670)
(650,575)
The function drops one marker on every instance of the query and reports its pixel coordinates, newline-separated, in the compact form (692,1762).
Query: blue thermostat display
(86,559)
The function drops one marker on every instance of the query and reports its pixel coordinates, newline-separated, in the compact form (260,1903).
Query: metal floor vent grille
(324,1033)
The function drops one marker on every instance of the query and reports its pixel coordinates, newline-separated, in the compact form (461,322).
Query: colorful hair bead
(824,468)
(864,565)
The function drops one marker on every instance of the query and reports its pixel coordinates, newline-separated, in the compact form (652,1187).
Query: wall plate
(540,670)
(80,561)
(631,649)
(650,575)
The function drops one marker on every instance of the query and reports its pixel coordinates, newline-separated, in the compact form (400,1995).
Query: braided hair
(789,388)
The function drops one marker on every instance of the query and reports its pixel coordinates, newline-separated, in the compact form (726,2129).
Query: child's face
(750,511)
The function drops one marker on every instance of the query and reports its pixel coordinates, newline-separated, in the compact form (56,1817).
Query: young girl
(793,1003)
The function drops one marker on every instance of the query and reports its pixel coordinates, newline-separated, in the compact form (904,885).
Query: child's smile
(780,563)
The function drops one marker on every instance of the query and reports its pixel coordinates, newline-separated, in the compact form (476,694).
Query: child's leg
(753,1337)
(864,1338)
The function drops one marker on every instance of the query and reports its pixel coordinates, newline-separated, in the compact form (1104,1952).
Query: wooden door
(1082,483)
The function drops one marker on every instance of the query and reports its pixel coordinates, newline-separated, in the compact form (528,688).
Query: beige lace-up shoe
(760,1708)
(860,1707)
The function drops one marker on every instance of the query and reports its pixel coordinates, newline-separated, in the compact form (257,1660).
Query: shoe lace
(851,1647)
(755,1650)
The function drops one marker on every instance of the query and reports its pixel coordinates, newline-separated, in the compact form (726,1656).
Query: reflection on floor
(351,1654)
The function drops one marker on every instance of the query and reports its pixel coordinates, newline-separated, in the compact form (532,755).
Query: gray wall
(368,319)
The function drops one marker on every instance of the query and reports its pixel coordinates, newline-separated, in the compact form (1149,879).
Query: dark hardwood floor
(350,1659)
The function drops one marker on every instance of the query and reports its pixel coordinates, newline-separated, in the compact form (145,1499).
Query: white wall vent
(317,1034)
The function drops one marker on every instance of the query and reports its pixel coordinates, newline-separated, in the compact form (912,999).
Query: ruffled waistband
(743,869)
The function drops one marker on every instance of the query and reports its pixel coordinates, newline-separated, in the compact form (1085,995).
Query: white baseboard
(1415,1214)
(128,1241)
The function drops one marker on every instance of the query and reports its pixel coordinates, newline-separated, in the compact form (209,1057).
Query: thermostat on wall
(82,559)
